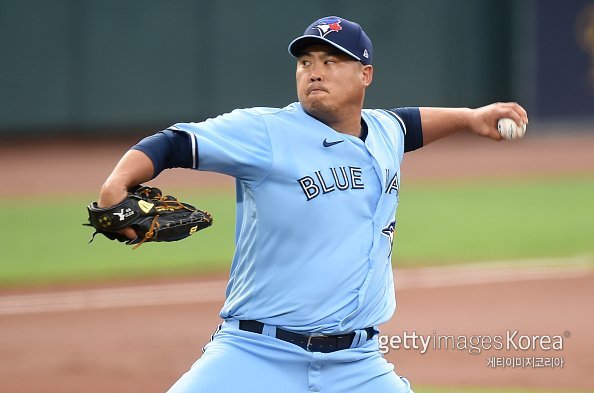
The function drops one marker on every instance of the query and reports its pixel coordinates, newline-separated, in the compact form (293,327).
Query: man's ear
(367,75)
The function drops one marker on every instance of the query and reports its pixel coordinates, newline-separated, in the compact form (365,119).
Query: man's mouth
(316,90)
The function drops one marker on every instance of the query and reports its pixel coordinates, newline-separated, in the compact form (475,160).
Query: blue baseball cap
(344,35)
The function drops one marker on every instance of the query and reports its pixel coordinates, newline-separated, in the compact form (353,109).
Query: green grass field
(44,242)
(504,219)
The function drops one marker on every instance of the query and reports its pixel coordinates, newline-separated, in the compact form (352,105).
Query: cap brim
(296,46)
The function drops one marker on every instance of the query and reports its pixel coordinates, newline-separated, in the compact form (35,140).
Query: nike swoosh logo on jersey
(328,144)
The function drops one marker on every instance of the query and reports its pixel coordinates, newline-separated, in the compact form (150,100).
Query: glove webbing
(150,233)
(155,224)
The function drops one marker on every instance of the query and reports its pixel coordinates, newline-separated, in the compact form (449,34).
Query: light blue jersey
(315,215)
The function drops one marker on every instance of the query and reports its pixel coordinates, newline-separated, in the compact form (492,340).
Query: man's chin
(317,109)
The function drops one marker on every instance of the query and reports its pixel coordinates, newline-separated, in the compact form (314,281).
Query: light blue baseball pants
(239,361)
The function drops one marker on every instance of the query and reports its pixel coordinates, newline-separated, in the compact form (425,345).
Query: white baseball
(508,129)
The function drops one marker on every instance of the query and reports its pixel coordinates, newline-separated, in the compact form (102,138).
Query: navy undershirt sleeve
(167,149)
(411,116)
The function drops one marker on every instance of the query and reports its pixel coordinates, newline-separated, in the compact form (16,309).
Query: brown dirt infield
(145,349)
(66,166)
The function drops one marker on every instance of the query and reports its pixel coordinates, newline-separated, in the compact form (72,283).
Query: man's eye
(330,61)
(305,62)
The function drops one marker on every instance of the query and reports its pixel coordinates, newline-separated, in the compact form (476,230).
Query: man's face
(330,83)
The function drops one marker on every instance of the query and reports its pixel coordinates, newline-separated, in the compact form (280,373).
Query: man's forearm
(438,123)
(134,168)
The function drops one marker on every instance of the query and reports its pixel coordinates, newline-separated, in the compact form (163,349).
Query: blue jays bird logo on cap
(350,38)
(328,25)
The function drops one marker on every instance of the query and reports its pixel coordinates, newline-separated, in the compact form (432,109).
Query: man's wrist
(111,194)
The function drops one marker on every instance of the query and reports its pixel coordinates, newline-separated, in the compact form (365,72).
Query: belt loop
(231,323)
(358,338)
(365,333)
(269,330)
(361,338)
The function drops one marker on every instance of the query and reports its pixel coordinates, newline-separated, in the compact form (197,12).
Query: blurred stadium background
(98,67)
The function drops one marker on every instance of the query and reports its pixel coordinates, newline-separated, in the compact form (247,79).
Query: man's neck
(351,126)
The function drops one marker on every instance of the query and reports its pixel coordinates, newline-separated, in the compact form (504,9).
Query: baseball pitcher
(317,191)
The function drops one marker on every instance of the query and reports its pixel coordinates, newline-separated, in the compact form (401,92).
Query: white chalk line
(214,291)
(493,272)
(133,296)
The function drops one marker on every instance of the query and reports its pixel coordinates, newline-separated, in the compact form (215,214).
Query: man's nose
(315,74)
